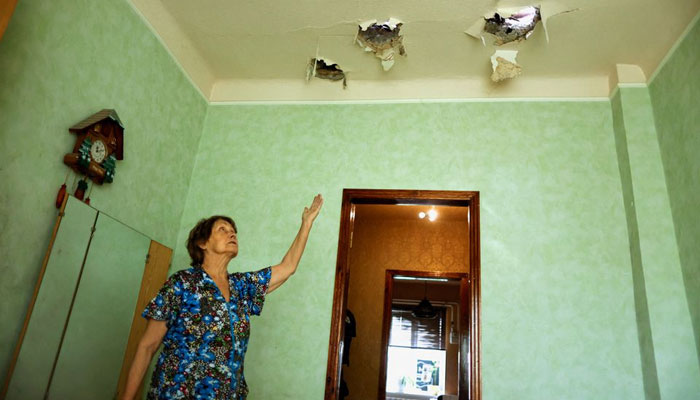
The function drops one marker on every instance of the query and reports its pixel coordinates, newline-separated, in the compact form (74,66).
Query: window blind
(418,333)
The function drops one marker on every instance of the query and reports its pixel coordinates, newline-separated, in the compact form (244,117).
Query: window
(417,333)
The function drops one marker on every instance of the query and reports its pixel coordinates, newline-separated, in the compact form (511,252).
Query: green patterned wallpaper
(646,345)
(655,253)
(60,62)
(675,95)
(558,304)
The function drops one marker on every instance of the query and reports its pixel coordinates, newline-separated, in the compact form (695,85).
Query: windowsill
(408,396)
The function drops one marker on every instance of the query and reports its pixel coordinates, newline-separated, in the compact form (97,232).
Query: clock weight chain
(87,201)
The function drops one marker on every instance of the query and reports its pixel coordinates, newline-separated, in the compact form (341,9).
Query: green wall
(60,62)
(646,345)
(675,95)
(558,314)
(663,317)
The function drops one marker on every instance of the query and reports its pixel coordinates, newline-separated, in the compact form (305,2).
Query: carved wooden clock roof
(95,118)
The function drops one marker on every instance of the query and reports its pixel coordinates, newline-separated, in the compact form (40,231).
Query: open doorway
(392,242)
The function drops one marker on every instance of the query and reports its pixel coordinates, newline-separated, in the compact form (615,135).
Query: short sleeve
(166,305)
(252,287)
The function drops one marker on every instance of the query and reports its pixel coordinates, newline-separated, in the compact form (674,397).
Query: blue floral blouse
(207,337)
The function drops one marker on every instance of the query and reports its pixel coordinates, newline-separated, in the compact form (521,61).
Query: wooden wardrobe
(83,323)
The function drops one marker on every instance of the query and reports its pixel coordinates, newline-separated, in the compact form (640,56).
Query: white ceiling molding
(317,90)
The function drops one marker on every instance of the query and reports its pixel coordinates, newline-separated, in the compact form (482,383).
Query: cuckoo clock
(99,144)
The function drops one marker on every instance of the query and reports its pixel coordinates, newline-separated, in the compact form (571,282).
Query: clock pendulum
(80,191)
(87,201)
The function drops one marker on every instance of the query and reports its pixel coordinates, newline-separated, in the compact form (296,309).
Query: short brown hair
(200,234)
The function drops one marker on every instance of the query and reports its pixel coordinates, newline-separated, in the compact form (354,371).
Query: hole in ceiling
(325,69)
(383,39)
(517,27)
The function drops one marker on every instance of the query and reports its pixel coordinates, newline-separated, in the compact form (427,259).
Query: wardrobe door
(91,356)
(56,285)
(154,275)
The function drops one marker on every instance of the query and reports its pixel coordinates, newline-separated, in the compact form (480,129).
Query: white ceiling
(243,50)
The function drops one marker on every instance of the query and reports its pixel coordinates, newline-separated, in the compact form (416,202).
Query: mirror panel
(98,330)
(48,317)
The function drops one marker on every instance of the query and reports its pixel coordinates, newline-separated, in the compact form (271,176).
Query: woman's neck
(215,266)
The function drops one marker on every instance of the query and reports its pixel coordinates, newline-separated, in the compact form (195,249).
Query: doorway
(435,239)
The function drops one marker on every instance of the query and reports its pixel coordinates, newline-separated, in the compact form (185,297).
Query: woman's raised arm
(282,271)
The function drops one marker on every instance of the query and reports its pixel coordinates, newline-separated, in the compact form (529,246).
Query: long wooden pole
(7,7)
(15,354)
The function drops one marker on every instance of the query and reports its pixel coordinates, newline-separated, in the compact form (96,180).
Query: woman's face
(222,240)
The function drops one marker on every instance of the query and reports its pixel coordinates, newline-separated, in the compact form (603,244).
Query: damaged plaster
(384,40)
(504,65)
(325,69)
(519,25)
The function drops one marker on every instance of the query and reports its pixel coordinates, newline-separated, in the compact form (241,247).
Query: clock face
(98,151)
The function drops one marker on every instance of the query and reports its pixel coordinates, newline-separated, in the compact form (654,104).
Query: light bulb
(421,215)
(432,214)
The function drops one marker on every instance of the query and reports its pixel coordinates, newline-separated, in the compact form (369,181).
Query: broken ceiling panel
(325,69)
(383,39)
(517,27)
(504,65)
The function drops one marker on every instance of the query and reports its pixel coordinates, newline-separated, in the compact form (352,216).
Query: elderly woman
(202,315)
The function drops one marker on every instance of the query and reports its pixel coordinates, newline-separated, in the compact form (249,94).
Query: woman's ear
(202,245)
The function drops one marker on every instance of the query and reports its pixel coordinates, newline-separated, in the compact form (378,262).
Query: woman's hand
(310,213)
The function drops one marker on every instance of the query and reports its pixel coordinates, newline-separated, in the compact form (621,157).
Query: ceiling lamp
(424,309)
(431,214)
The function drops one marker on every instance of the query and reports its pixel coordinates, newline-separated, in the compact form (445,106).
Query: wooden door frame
(464,300)
(351,197)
